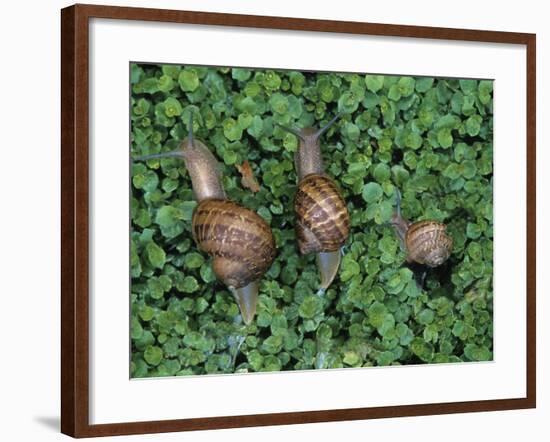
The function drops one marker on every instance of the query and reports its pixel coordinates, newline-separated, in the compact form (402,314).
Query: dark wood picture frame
(74,219)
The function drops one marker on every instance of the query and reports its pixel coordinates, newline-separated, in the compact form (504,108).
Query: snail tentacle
(400,224)
(326,127)
(290,130)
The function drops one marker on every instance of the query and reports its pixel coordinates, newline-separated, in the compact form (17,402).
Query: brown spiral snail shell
(426,242)
(239,240)
(322,218)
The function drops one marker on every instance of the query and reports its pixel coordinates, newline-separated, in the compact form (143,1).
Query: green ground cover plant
(431,138)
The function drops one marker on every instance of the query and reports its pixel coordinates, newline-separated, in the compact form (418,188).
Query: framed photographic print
(254,233)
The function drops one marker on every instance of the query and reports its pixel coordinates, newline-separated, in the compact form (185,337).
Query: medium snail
(240,241)
(426,242)
(322,218)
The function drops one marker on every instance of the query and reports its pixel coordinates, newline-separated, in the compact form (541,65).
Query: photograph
(285,220)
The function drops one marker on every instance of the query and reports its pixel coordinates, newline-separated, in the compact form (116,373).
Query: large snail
(426,242)
(322,218)
(240,241)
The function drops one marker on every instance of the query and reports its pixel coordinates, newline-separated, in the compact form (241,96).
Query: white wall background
(29,218)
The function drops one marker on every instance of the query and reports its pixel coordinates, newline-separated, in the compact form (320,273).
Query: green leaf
(377,314)
(188,80)
(468,86)
(426,316)
(152,355)
(240,74)
(255,359)
(473,231)
(146,313)
(372,192)
(168,216)
(156,255)
(171,70)
(310,307)
(469,169)
(187,209)
(406,86)
(135,73)
(207,274)
(413,140)
(136,330)
(349,267)
(485,90)
(256,127)
(193,260)
(166,83)
(394,92)
(422,349)
(272,80)
(172,107)
(382,172)
(279,103)
(374,82)
(473,125)
(424,84)
(477,353)
(273,344)
(383,212)
(348,102)
(351,358)
(272,363)
(189,285)
(445,138)
(232,130)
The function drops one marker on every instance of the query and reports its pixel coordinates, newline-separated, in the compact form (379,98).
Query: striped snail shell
(238,239)
(426,242)
(322,218)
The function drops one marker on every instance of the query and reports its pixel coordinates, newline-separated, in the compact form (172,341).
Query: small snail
(322,218)
(426,242)
(239,240)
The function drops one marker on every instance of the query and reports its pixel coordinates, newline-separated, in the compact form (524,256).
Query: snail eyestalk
(291,131)
(400,224)
(247,299)
(190,130)
(398,201)
(327,126)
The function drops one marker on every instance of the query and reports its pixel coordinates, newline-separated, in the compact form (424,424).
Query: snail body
(426,242)
(322,218)
(239,241)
